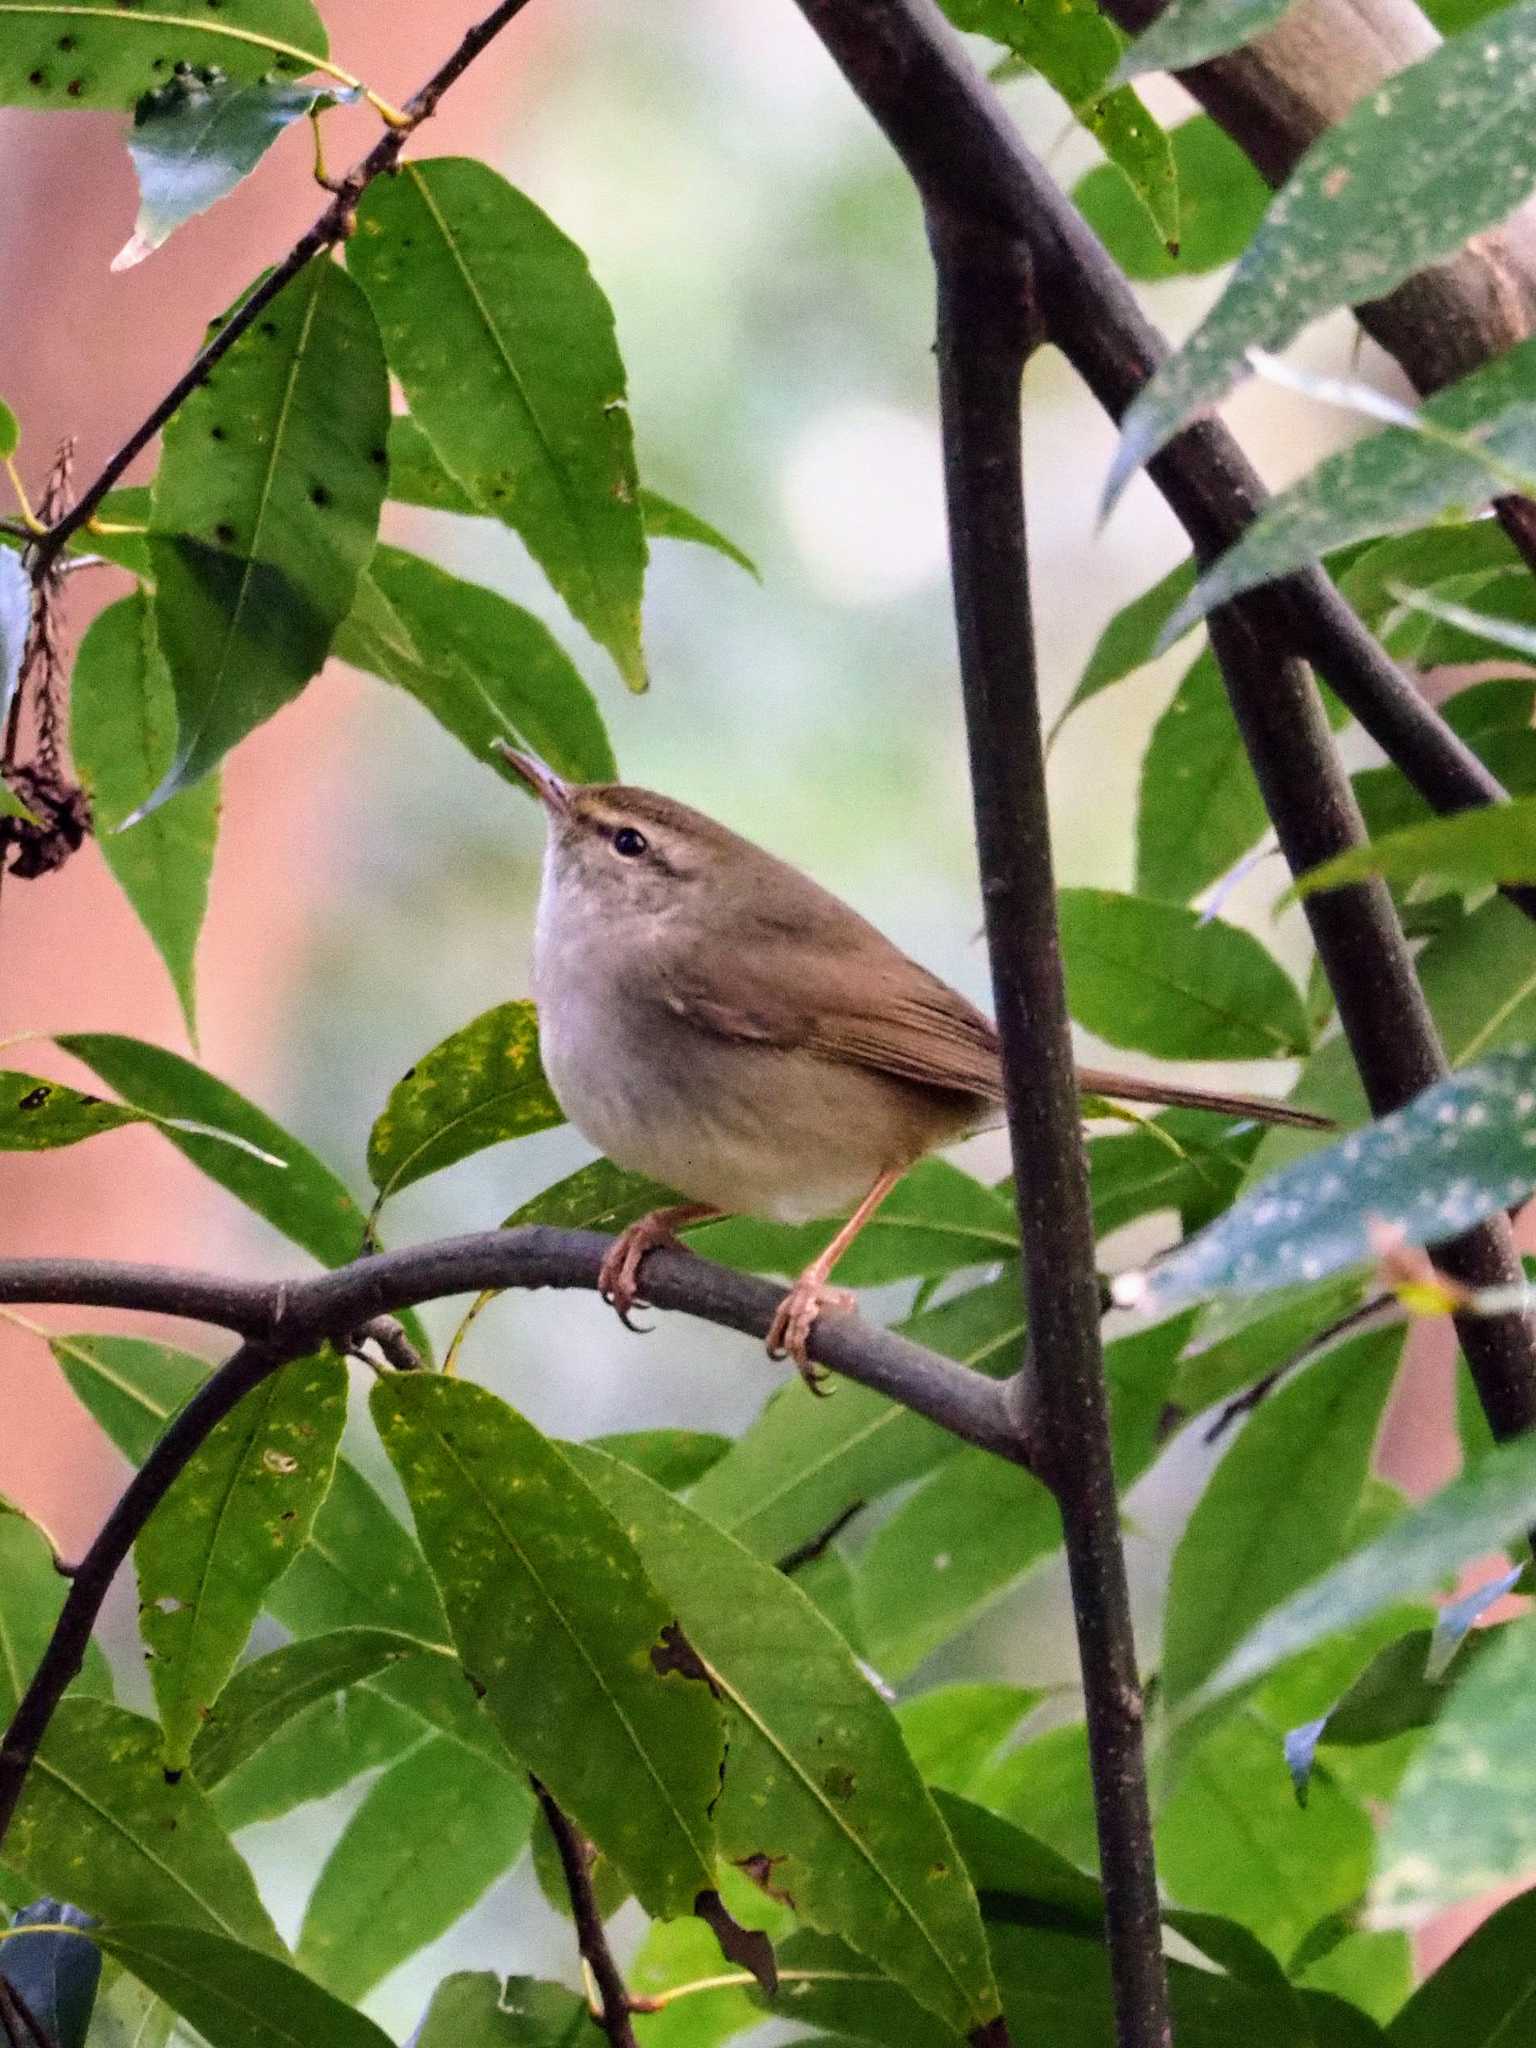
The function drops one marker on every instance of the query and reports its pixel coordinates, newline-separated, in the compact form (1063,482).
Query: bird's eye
(629,842)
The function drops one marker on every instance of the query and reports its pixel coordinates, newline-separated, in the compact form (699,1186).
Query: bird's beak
(546,785)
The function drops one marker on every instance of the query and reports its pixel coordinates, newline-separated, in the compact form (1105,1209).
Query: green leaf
(554,1617)
(1046,1785)
(1495,718)
(818,1779)
(1199,809)
(1431,555)
(805,1462)
(1440,630)
(315,1754)
(122,734)
(227,1527)
(1461,1824)
(264,512)
(266,1695)
(484,668)
(1389,482)
(1075,48)
(665,520)
(601,1196)
(1012,1869)
(55,1976)
(1437,152)
(1277,1509)
(129,2015)
(1186,32)
(1462,1150)
(1480,1997)
(473,2009)
(194,138)
(31,1594)
(481,1086)
(1155,978)
(504,345)
(93,53)
(15,623)
(937,1220)
(674,1458)
(1182,1160)
(127,508)
(1221,201)
(1215,1367)
(682,1952)
(359,1566)
(1475,1514)
(1127,642)
(299,1196)
(1470,850)
(10,432)
(38,1115)
(100,1824)
(955,1731)
(977,1524)
(429,1838)
(1232,1839)
(11,806)
(233,1996)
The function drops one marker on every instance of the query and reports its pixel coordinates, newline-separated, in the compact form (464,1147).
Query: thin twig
(333,226)
(591,1936)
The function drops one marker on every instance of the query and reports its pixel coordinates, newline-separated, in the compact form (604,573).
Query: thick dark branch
(333,226)
(295,1315)
(591,1936)
(988,327)
(966,155)
(1360,942)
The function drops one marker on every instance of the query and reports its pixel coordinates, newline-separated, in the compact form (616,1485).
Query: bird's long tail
(1170,1095)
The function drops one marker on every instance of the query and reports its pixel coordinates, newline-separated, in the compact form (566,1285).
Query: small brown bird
(714,1019)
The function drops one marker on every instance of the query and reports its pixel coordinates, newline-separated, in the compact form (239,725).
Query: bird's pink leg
(618,1278)
(791,1328)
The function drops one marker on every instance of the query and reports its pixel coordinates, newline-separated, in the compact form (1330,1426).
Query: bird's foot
(618,1278)
(795,1318)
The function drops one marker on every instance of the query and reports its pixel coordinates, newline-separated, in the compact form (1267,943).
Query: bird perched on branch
(714,1019)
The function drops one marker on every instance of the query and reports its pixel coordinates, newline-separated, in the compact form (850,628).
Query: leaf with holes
(231,1522)
(429,1838)
(195,138)
(504,345)
(1075,49)
(38,1115)
(556,1620)
(1221,201)
(480,1087)
(1156,978)
(1457,1153)
(484,668)
(100,1824)
(122,734)
(15,623)
(1470,850)
(97,53)
(1279,1507)
(233,1996)
(820,1791)
(264,512)
(1439,151)
(1389,482)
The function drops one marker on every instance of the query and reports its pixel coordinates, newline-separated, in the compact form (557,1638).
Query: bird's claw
(790,1331)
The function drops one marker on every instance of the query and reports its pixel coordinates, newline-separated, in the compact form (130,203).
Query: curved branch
(280,1320)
